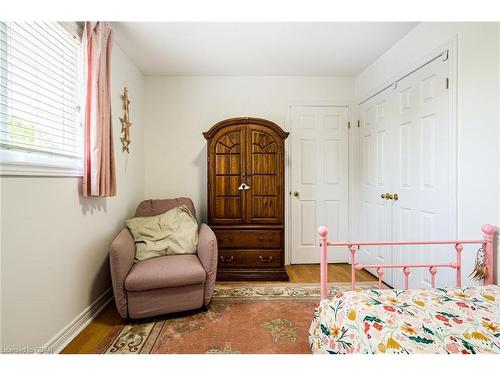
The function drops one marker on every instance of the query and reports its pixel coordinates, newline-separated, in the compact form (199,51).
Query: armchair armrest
(121,260)
(207,254)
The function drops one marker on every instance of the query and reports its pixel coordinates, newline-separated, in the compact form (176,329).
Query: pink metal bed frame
(487,242)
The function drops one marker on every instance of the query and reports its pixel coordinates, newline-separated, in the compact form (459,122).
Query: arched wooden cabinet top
(244,121)
(245,191)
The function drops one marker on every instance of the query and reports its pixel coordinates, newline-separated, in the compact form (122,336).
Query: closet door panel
(377,153)
(423,166)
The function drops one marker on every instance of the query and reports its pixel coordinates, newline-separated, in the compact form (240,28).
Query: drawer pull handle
(268,260)
(226,260)
(262,239)
(221,238)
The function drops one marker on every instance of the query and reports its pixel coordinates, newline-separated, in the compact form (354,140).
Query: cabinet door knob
(296,194)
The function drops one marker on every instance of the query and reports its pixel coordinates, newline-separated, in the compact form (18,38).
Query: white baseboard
(58,342)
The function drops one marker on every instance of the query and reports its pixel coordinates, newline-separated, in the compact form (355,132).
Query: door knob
(387,196)
(296,194)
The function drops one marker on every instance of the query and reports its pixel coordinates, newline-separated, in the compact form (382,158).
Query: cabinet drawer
(249,258)
(230,239)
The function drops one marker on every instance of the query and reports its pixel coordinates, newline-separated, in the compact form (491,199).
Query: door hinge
(447,83)
(359,124)
(348,124)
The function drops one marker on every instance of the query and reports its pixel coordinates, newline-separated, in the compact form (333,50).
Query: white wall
(178,109)
(478,115)
(55,243)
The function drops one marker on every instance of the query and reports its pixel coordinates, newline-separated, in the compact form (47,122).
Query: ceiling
(342,49)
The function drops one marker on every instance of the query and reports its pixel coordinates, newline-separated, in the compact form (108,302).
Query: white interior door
(423,166)
(319,180)
(405,143)
(377,175)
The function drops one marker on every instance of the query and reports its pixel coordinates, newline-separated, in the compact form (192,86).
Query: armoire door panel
(228,164)
(264,163)
(264,185)
(227,209)
(264,169)
(227,186)
(226,158)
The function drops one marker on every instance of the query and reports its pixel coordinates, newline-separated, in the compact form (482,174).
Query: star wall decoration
(126,124)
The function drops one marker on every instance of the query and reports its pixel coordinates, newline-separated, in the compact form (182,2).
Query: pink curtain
(99,177)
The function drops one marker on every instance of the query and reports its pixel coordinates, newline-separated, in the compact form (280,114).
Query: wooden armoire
(246,185)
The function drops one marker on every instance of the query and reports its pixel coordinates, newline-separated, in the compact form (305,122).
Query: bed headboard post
(353,249)
(323,234)
(488,234)
(458,248)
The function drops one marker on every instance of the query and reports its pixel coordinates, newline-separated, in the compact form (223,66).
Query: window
(41,129)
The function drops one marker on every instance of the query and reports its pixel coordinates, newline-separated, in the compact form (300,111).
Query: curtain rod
(445,53)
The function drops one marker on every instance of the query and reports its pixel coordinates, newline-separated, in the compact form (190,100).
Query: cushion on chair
(172,232)
(152,207)
(165,272)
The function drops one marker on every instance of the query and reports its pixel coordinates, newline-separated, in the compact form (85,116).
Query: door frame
(288,157)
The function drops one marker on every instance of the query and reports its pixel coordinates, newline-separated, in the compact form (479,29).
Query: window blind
(40,89)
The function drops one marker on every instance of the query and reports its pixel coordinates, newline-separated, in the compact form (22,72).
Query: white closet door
(422,172)
(377,175)
(319,180)
(405,143)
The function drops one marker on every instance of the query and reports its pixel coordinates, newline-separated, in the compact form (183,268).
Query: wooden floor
(88,340)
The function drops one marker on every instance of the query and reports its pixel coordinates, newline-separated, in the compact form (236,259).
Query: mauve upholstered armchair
(164,284)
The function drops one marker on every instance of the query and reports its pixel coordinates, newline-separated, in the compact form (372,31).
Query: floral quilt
(455,320)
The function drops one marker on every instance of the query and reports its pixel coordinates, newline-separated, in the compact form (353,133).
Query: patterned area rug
(258,318)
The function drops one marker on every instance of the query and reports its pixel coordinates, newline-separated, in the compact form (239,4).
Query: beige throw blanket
(173,232)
